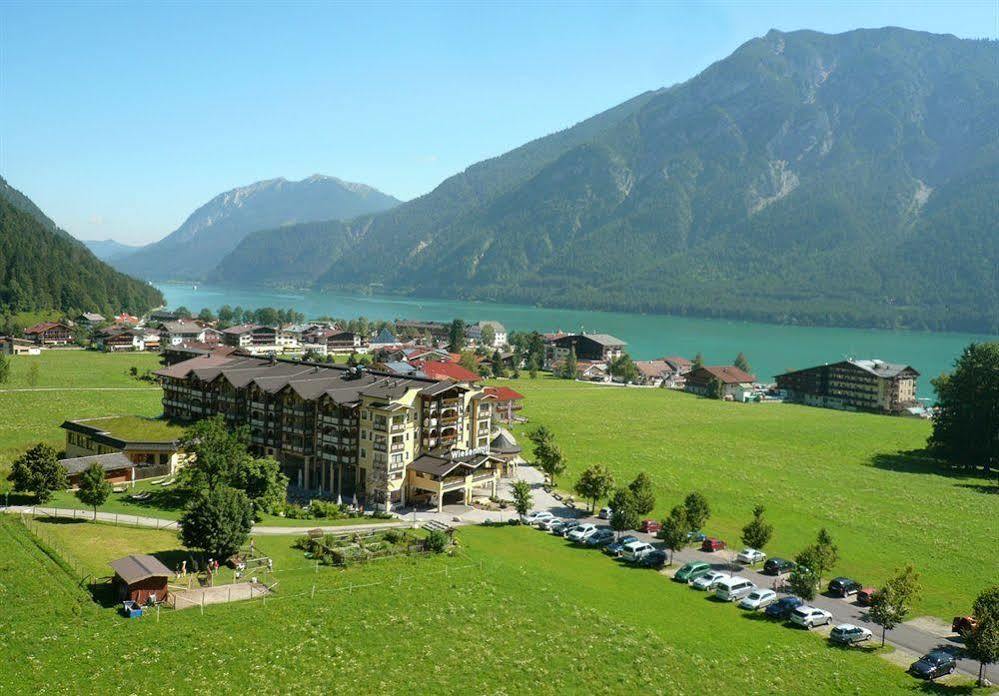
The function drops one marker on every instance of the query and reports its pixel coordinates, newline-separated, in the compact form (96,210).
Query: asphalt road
(909,637)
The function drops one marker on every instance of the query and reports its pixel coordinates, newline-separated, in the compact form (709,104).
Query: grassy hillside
(536,616)
(810,467)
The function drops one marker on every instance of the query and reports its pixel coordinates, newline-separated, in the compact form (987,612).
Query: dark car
(865,596)
(932,665)
(843,587)
(617,548)
(963,624)
(696,537)
(712,544)
(653,559)
(782,608)
(777,566)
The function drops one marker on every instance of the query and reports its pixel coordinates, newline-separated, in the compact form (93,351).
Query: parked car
(810,617)
(843,587)
(782,608)
(712,544)
(751,556)
(653,559)
(546,523)
(964,624)
(758,599)
(605,513)
(691,571)
(935,663)
(635,550)
(777,566)
(617,548)
(734,588)
(865,596)
(709,580)
(696,537)
(536,516)
(651,526)
(564,527)
(580,533)
(601,537)
(850,634)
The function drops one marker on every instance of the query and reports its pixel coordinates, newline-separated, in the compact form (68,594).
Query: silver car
(709,580)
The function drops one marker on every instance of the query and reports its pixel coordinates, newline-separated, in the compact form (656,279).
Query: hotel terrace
(341,431)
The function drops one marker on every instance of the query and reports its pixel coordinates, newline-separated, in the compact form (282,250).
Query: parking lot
(917,636)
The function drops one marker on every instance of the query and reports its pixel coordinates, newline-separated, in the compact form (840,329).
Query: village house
(50,333)
(474,333)
(126,319)
(384,339)
(675,376)
(736,385)
(506,402)
(258,340)
(651,373)
(854,385)
(345,343)
(438,331)
(592,348)
(90,319)
(150,446)
(9,345)
(342,431)
(174,333)
(120,338)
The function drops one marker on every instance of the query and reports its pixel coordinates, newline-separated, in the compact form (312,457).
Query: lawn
(809,467)
(535,616)
(137,428)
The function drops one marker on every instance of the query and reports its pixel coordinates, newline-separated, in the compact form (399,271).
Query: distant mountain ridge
(217,227)
(43,268)
(845,179)
(107,249)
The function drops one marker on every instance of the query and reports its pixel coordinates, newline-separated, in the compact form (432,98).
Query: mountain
(844,179)
(44,268)
(216,228)
(107,249)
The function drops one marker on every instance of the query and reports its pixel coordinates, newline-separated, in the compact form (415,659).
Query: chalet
(344,343)
(256,339)
(127,319)
(151,445)
(435,369)
(50,333)
(141,578)
(174,333)
(474,333)
(173,354)
(9,345)
(506,402)
(90,319)
(384,339)
(437,478)
(652,373)
(438,330)
(119,338)
(588,347)
(158,316)
(736,384)
(853,385)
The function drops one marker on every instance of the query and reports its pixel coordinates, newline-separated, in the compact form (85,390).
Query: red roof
(44,326)
(504,393)
(726,374)
(445,370)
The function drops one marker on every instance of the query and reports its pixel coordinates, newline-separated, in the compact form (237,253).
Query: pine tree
(742,363)
(757,533)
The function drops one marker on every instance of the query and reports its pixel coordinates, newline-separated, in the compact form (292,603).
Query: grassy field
(810,467)
(517,612)
(139,428)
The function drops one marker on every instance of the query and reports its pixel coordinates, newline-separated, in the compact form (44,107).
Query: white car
(635,550)
(709,580)
(545,524)
(582,532)
(810,617)
(734,588)
(605,513)
(758,599)
(751,556)
(536,516)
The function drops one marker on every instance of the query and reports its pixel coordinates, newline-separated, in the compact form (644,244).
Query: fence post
(157,613)
(202,603)
(313,592)
(229,594)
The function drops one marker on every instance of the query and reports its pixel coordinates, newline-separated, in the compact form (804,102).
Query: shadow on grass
(167,499)
(923,462)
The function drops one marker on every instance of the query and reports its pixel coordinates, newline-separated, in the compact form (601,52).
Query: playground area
(219,594)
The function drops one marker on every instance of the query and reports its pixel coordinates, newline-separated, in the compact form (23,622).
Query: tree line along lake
(771,348)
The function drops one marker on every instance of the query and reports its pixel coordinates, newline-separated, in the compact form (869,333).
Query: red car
(964,624)
(865,596)
(651,526)
(712,544)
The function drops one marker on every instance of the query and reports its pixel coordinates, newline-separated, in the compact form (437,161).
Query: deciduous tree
(742,363)
(594,484)
(675,530)
(982,644)
(644,494)
(38,471)
(522,497)
(624,516)
(263,482)
(892,602)
(94,488)
(217,521)
(698,510)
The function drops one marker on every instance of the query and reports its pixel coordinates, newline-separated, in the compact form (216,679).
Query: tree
(94,488)
(263,482)
(217,452)
(803,581)
(675,530)
(532,368)
(716,390)
(742,363)
(217,521)
(4,368)
(987,603)
(522,497)
(698,362)
(757,533)
(698,510)
(624,516)
(499,369)
(623,367)
(826,554)
(982,644)
(594,484)
(643,493)
(552,462)
(468,361)
(488,337)
(966,423)
(206,315)
(571,367)
(38,471)
(456,336)
(891,603)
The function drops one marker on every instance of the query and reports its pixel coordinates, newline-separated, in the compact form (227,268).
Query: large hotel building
(347,431)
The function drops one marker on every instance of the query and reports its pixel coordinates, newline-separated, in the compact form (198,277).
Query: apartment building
(588,347)
(259,340)
(346,431)
(853,385)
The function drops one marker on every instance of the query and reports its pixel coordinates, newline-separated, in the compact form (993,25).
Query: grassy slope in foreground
(810,467)
(538,617)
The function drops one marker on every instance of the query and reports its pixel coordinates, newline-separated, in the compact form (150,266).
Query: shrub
(436,541)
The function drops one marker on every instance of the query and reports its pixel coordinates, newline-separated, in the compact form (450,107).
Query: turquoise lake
(771,348)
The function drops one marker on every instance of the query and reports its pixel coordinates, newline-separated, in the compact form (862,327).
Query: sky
(119,120)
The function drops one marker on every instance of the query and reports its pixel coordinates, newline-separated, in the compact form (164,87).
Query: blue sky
(119,120)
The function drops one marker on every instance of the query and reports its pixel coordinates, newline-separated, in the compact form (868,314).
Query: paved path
(65,389)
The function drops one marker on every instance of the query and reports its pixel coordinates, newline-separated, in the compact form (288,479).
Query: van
(734,588)
(635,550)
